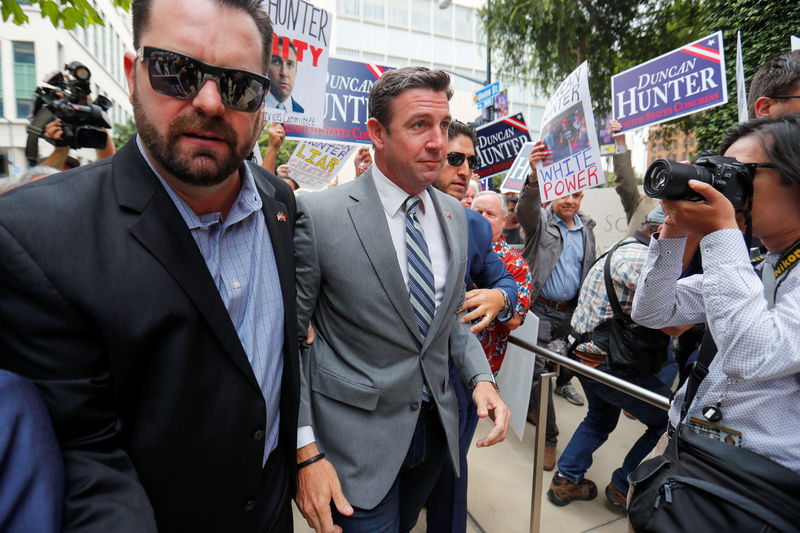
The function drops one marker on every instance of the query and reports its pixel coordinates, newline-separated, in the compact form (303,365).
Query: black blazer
(107,304)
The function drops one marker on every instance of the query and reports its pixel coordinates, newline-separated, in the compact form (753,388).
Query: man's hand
(485,303)
(703,217)
(489,403)
(362,160)
(283,171)
(539,153)
(317,485)
(52,130)
(275,135)
(614,127)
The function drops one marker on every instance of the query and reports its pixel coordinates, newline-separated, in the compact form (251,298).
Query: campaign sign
(569,132)
(678,83)
(347,93)
(314,164)
(515,177)
(499,143)
(299,63)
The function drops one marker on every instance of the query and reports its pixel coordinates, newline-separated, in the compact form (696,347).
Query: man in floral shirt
(494,337)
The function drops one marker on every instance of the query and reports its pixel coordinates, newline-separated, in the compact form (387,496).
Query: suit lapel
(447,222)
(369,220)
(163,232)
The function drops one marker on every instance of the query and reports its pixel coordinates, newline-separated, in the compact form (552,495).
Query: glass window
(398,13)
(444,49)
(349,34)
(398,41)
(421,46)
(2,113)
(370,57)
(374,38)
(373,9)
(443,21)
(348,7)
(421,15)
(346,52)
(463,28)
(397,62)
(24,76)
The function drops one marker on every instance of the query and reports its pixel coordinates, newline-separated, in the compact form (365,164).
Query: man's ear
(763,106)
(129,61)
(377,133)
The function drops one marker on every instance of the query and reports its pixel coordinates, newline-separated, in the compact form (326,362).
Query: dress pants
(399,509)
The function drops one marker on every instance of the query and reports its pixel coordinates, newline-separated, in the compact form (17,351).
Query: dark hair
(458,128)
(780,75)
(394,82)
(780,139)
(140,17)
(291,44)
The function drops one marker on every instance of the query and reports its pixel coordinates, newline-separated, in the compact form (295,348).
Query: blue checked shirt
(565,280)
(239,256)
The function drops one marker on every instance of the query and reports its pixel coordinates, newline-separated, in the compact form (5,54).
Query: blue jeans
(605,405)
(399,509)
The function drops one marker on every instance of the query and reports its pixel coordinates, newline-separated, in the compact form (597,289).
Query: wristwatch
(483,377)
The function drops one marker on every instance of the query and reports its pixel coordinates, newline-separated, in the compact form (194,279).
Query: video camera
(668,179)
(67,99)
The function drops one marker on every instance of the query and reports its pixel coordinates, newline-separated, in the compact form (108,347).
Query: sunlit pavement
(500,481)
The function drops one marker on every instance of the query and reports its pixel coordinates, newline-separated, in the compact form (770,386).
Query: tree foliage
(123,133)
(66,13)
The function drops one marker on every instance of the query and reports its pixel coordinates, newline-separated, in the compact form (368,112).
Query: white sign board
(315,163)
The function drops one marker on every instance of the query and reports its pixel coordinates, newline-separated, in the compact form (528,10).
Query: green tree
(123,133)
(66,13)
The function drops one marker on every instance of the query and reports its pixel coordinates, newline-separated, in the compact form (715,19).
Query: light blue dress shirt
(565,280)
(239,256)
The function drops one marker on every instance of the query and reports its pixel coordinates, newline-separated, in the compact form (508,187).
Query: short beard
(201,168)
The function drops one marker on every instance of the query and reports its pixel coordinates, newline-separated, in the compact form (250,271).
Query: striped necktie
(420,274)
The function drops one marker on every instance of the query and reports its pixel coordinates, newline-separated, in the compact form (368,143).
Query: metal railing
(662,402)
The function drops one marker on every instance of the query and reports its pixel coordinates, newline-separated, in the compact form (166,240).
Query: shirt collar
(393,197)
(576,218)
(247,201)
(271,101)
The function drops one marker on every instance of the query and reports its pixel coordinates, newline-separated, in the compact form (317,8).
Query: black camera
(67,99)
(666,179)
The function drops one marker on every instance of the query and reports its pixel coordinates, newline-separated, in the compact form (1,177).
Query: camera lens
(658,180)
(668,179)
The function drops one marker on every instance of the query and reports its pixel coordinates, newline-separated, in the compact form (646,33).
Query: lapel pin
(281,216)
(449,215)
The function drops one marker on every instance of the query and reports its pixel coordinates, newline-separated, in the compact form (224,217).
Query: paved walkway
(500,482)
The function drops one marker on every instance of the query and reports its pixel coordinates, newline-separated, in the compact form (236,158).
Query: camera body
(666,179)
(81,121)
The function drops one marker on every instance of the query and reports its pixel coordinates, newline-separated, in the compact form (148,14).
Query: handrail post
(545,384)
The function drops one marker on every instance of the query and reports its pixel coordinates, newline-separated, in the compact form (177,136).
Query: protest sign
(499,142)
(515,178)
(681,82)
(604,138)
(568,130)
(315,163)
(299,64)
(347,93)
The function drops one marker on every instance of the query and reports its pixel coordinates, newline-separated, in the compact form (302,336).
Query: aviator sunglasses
(456,159)
(181,76)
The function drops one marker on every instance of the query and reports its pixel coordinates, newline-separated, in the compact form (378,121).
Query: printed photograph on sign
(566,134)
(298,67)
(604,138)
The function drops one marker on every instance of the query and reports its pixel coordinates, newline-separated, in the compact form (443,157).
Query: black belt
(558,306)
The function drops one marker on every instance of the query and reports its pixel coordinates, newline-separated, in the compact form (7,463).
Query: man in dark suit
(151,296)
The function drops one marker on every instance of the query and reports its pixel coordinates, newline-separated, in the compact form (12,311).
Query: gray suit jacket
(362,377)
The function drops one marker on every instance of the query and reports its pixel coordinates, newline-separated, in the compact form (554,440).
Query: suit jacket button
(414,405)
(249,505)
(259,434)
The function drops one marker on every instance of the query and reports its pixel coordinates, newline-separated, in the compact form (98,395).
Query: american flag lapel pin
(281,216)
(449,215)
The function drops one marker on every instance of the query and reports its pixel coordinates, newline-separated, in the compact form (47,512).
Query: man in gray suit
(380,270)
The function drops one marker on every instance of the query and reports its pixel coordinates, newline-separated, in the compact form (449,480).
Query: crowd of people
(185,345)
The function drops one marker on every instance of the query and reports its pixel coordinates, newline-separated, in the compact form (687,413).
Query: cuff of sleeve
(305,436)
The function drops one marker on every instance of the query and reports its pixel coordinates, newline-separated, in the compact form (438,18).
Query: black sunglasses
(181,76)
(786,96)
(456,159)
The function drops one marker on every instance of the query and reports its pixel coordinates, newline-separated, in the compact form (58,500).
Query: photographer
(58,158)
(749,394)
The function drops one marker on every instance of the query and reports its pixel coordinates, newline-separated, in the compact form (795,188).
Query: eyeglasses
(786,96)
(181,76)
(456,159)
(751,167)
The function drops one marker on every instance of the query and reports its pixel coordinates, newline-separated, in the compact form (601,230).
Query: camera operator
(58,158)
(749,395)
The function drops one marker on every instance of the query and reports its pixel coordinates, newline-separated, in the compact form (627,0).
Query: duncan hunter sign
(346,95)
(678,83)
(499,142)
